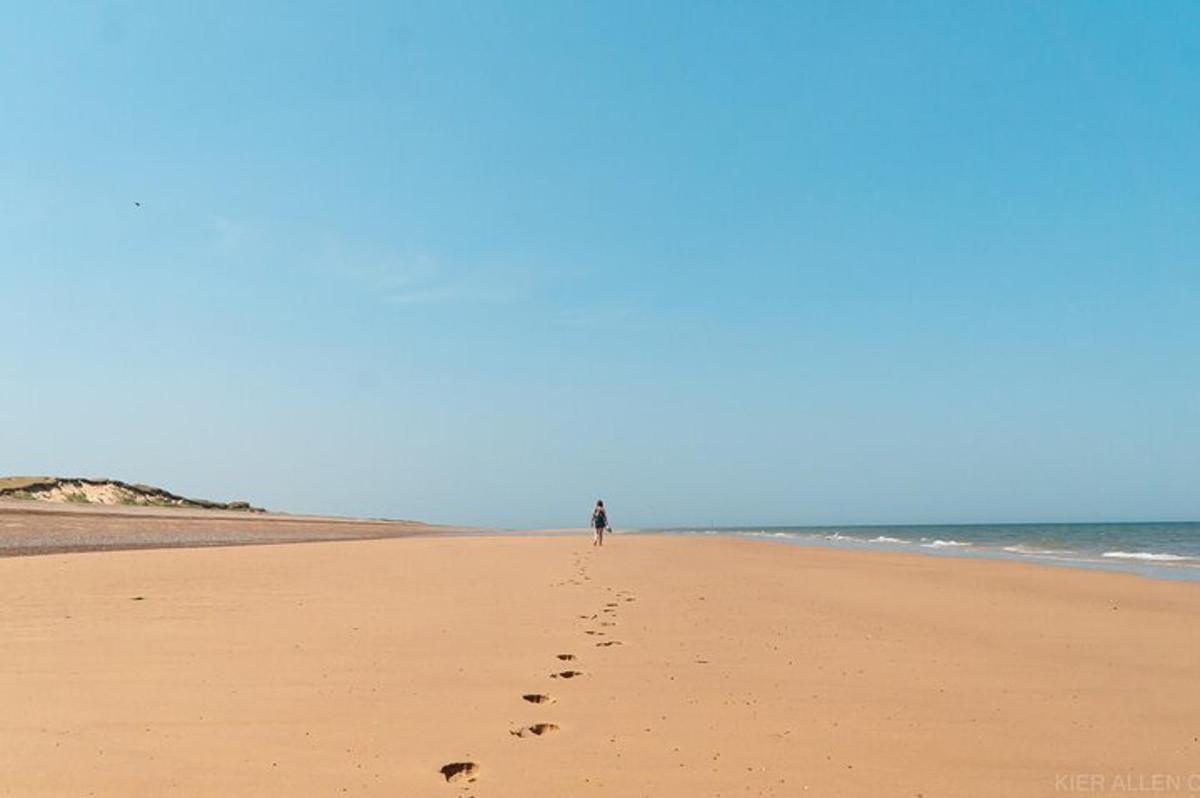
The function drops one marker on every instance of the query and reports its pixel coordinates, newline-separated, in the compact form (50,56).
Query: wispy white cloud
(229,233)
(446,286)
(599,316)
(421,279)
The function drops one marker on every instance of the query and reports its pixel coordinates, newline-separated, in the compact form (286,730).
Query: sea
(1162,550)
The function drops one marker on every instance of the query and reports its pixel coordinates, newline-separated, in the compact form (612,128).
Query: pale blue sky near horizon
(759,263)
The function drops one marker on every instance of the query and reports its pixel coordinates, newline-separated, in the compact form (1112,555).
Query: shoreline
(31,529)
(1154,566)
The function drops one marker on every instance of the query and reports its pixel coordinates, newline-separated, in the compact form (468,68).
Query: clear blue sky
(484,263)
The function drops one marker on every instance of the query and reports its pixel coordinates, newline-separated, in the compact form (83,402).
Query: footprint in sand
(536,730)
(607,643)
(460,771)
(537,698)
(566,674)
(565,657)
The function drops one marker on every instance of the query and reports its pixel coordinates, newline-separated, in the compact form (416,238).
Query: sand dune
(530,666)
(104,491)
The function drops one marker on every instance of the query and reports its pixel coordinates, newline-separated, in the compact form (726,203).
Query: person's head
(599,502)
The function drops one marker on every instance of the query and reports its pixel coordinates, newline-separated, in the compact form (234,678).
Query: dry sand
(708,667)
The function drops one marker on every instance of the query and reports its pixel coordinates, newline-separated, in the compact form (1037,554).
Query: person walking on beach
(599,523)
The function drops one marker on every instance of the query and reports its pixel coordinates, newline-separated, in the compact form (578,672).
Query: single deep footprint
(536,730)
(538,698)
(460,771)
(565,657)
(566,674)
(609,643)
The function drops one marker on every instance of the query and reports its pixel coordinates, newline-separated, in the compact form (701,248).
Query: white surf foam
(1145,555)
(1023,549)
(840,536)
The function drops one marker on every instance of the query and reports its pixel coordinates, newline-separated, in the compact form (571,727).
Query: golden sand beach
(656,666)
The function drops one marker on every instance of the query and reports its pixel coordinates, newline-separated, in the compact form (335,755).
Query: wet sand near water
(31,527)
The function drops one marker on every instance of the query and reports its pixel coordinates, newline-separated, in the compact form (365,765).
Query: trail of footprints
(469,771)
